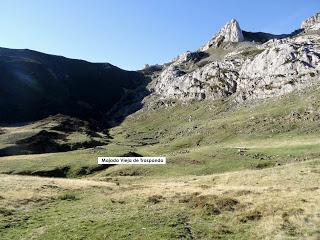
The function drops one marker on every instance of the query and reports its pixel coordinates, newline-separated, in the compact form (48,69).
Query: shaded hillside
(57,133)
(34,85)
(262,37)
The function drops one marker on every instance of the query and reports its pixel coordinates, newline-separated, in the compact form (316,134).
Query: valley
(238,121)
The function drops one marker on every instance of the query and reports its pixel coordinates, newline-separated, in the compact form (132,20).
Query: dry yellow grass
(15,189)
(286,141)
(288,197)
(27,157)
(282,202)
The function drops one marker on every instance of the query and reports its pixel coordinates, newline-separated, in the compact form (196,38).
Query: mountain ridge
(35,85)
(234,64)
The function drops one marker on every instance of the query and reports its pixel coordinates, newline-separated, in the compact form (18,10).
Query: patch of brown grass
(155,199)
(210,204)
(253,215)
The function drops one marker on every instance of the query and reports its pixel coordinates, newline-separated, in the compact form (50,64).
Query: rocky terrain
(244,65)
(231,32)
(312,23)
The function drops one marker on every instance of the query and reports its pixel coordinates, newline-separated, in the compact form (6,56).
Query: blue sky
(130,33)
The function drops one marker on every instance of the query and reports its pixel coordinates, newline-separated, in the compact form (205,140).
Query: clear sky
(130,33)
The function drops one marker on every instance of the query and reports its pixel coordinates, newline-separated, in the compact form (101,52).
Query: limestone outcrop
(231,32)
(312,23)
(228,65)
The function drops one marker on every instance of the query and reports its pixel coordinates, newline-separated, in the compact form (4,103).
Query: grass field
(275,203)
(197,138)
(248,172)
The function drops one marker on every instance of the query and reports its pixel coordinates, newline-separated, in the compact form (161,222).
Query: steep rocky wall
(247,71)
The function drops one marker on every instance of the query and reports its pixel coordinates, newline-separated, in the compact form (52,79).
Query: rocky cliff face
(231,65)
(231,32)
(284,65)
(312,23)
(212,81)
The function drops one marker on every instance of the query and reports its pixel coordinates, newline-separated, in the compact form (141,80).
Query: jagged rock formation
(231,32)
(312,23)
(237,65)
(285,65)
(203,83)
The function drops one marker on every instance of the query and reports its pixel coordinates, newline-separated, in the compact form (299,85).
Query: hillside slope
(198,138)
(34,85)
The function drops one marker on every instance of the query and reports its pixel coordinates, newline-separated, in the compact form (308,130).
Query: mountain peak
(233,20)
(231,32)
(312,23)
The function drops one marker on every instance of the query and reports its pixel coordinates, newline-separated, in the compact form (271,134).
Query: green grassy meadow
(233,172)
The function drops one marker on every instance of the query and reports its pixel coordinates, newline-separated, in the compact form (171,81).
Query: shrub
(68,197)
(155,199)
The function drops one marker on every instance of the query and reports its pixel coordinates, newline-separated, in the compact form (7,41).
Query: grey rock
(285,65)
(312,23)
(245,70)
(231,32)
(213,81)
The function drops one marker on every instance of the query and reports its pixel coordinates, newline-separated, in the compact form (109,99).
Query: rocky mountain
(34,85)
(231,32)
(244,65)
(235,63)
(312,23)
